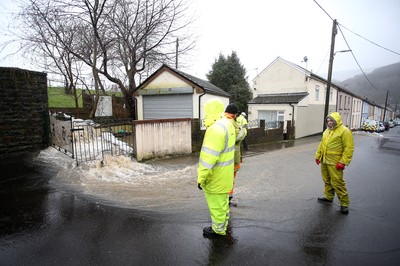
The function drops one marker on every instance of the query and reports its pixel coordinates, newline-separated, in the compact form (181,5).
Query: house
(171,93)
(284,91)
(349,107)
(356,113)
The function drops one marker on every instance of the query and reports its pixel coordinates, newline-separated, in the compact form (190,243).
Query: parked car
(369,125)
(386,124)
(391,124)
(380,127)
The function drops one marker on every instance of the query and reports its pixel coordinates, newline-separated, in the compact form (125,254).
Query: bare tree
(40,42)
(120,39)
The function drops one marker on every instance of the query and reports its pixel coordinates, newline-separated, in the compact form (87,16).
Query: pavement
(126,213)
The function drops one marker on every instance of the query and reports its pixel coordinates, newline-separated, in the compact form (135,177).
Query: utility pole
(384,112)
(328,86)
(176,53)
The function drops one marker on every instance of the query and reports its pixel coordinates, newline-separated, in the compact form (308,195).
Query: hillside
(384,79)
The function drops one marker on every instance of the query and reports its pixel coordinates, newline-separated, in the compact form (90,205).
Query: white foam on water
(122,181)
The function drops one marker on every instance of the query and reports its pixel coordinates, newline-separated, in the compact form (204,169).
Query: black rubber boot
(325,200)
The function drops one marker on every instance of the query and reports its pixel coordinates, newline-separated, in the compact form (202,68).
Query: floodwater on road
(56,213)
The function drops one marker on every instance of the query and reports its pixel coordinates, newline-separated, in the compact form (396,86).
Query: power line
(323,61)
(370,41)
(323,10)
(355,59)
(348,46)
(387,49)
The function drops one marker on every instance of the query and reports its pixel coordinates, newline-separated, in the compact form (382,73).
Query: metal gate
(88,140)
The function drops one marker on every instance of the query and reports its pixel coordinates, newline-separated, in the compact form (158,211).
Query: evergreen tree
(230,75)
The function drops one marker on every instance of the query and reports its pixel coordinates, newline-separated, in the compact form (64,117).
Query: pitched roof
(279,98)
(310,74)
(207,86)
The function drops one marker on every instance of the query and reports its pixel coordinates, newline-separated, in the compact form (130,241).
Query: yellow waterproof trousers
(218,204)
(334,183)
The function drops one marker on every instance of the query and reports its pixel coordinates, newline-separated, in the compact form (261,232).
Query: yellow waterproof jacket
(242,123)
(216,163)
(337,144)
(240,135)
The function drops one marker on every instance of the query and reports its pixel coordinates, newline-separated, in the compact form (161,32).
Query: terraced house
(284,91)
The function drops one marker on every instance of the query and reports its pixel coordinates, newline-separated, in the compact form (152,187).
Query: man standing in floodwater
(334,152)
(216,165)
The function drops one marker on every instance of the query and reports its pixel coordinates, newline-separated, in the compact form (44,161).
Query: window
(340,102)
(281,115)
(317,93)
(271,117)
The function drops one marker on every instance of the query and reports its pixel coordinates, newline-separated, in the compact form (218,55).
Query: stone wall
(24,125)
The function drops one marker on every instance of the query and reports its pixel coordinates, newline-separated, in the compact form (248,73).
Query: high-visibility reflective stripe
(226,148)
(217,153)
(210,151)
(219,228)
(214,153)
(205,164)
(225,163)
(210,166)
(219,123)
(229,149)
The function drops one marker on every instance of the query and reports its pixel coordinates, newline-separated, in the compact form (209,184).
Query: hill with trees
(384,79)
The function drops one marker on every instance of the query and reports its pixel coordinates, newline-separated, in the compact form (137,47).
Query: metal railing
(88,140)
(256,124)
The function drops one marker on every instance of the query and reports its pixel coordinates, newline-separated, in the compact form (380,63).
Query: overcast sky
(261,30)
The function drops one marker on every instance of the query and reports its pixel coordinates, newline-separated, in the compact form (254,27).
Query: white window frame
(317,93)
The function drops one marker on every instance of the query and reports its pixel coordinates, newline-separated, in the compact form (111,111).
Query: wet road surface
(53,213)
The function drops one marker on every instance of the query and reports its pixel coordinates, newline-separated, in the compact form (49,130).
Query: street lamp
(341,51)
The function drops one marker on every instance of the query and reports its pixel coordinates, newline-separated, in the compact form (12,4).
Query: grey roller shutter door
(168,106)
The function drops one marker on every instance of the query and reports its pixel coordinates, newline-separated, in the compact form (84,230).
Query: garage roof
(279,98)
(206,86)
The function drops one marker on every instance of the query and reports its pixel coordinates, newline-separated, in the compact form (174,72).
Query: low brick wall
(197,135)
(254,135)
(260,135)
(24,125)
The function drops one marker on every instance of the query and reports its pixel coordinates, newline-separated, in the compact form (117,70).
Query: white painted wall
(166,80)
(161,139)
(279,75)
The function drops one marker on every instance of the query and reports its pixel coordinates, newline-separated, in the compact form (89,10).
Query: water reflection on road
(57,213)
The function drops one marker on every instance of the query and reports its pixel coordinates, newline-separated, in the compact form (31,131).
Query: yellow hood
(213,110)
(336,117)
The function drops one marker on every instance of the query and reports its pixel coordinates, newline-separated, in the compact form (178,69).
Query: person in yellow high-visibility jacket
(241,132)
(334,152)
(242,123)
(216,164)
